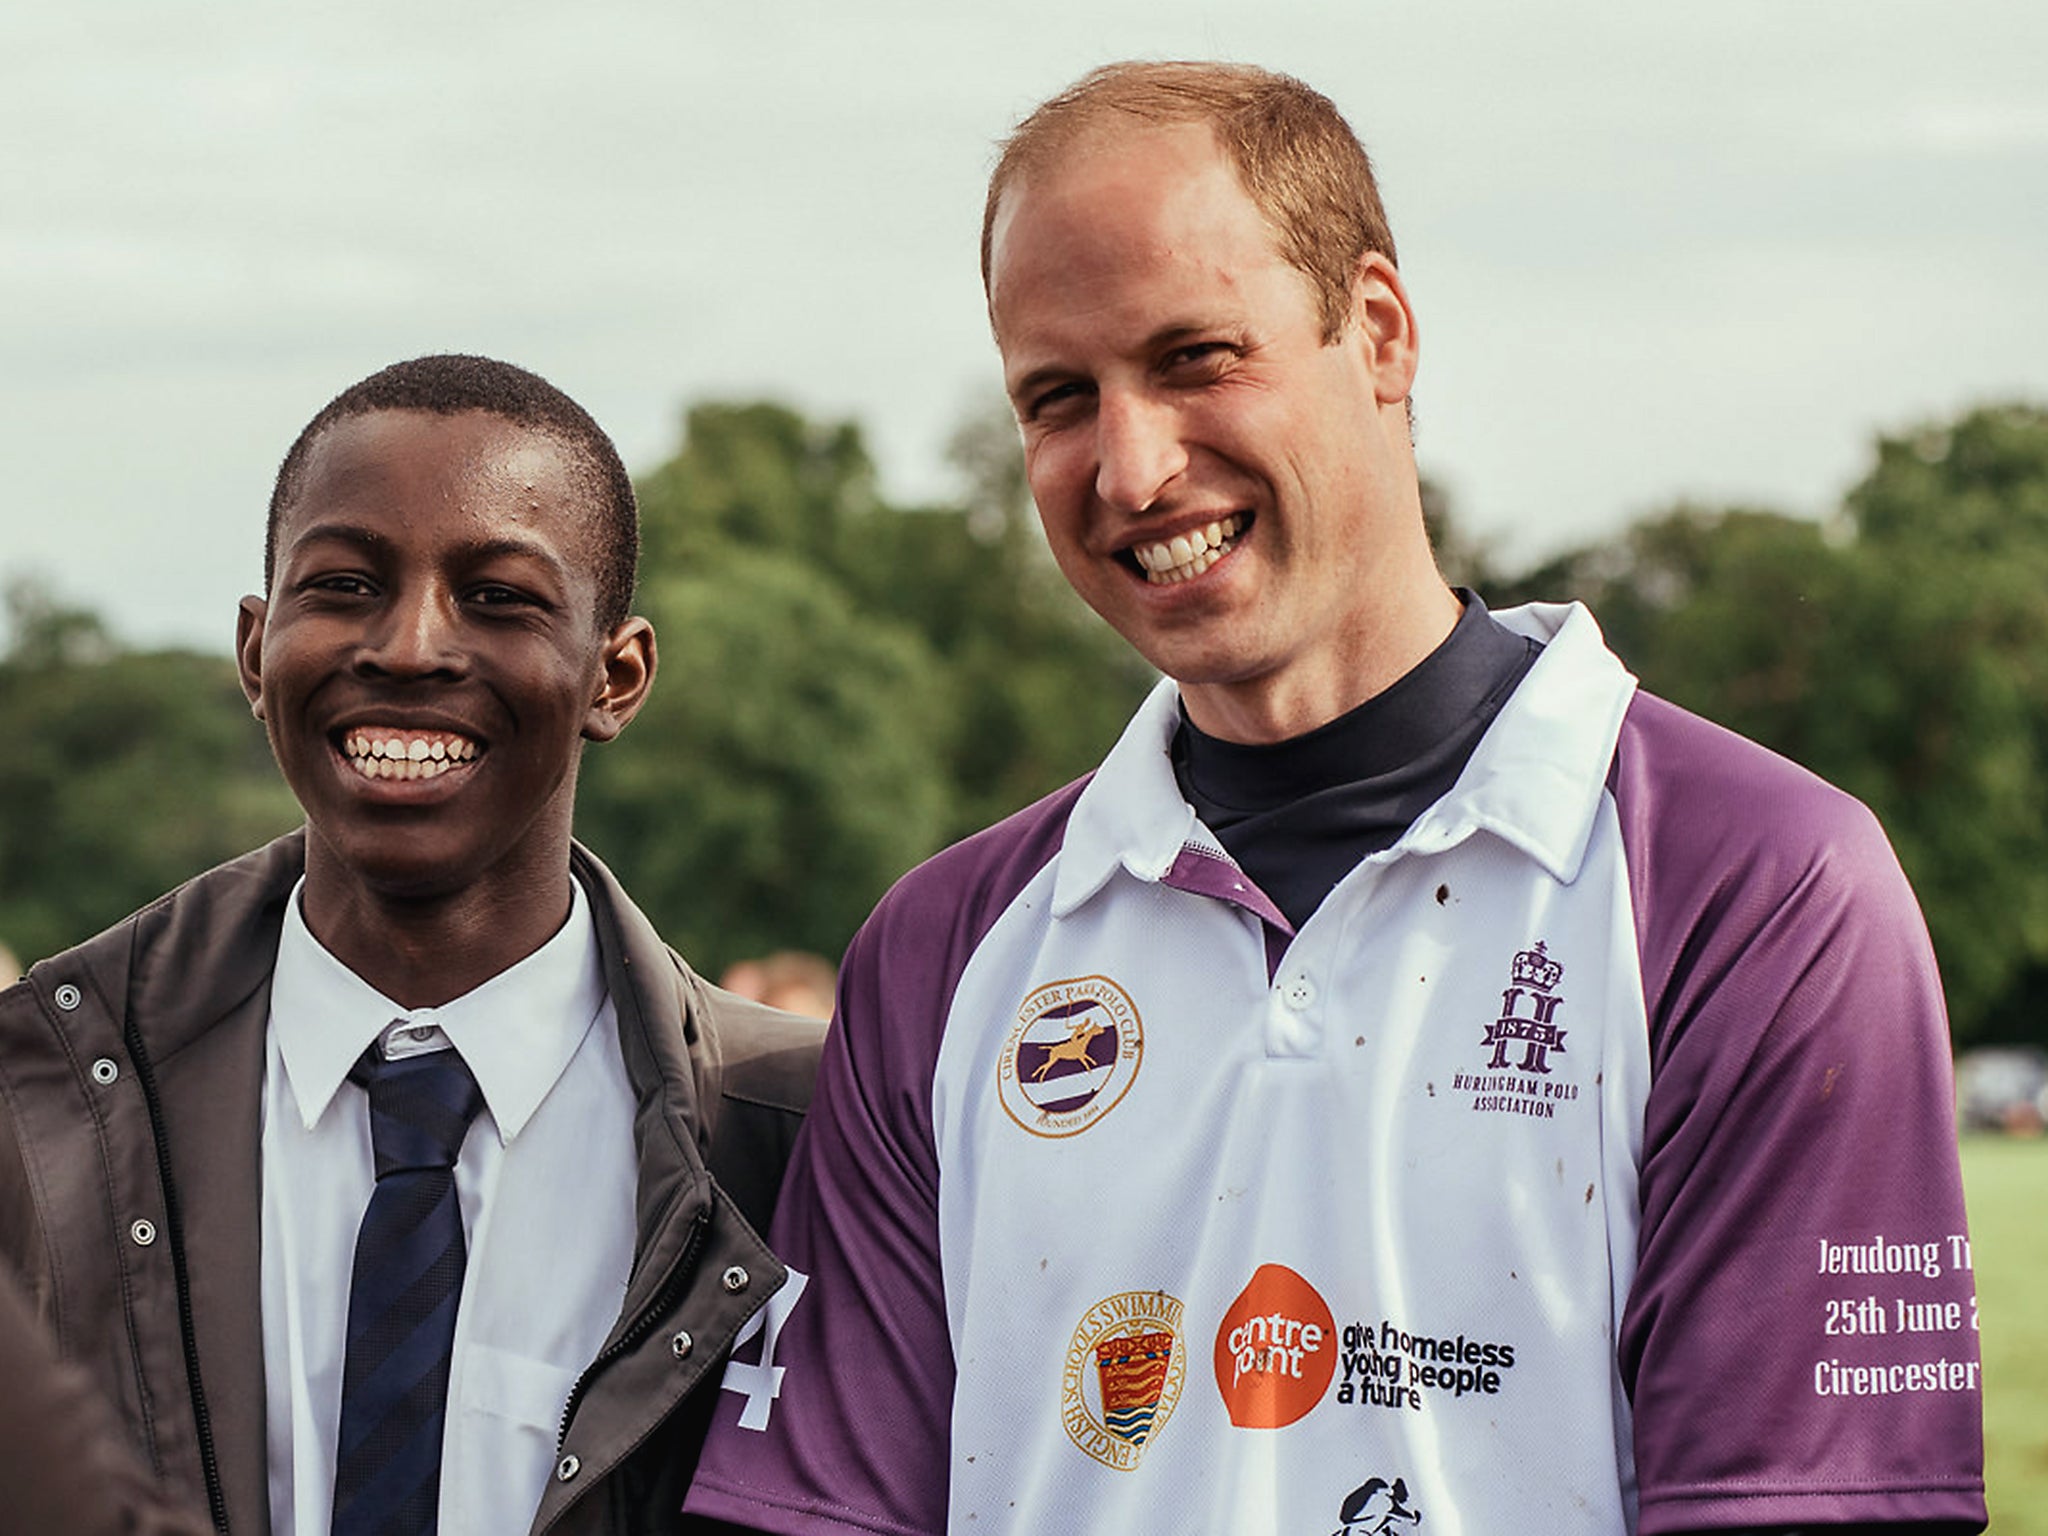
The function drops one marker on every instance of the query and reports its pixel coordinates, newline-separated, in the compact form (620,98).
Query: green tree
(122,773)
(1899,651)
(846,685)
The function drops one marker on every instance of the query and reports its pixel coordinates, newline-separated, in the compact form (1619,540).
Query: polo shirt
(1583,1163)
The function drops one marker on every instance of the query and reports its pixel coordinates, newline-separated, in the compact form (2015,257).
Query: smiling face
(429,659)
(1230,491)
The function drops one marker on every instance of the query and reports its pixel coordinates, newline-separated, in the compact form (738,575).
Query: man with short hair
(396,1177)
(1417,1079)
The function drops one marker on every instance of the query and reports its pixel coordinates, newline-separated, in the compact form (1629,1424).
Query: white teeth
(1186,555)
(415,757)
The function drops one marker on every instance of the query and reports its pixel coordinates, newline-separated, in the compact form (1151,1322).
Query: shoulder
(212,936)
(1754,882)
(958,894)
(1701,805)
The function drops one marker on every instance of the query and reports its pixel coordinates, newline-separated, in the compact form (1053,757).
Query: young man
(1417,1079)
(397,1172)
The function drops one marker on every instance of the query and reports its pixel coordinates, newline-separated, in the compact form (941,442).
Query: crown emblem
(1536,970)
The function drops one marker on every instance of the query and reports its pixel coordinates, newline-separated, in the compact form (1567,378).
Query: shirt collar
(1535,779)
(516,1031)
(1539,773)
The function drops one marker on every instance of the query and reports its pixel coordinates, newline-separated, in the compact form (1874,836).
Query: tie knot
(420,1108)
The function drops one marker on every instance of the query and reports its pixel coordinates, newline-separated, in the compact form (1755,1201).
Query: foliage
(1900,652)
(848,684)
(121,774)
(845,685)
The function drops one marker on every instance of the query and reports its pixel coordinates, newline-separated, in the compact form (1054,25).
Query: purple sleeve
(855,1435)
(1800,1341)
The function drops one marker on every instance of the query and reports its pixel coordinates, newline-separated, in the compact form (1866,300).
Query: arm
(1799,1343)
(837,1414)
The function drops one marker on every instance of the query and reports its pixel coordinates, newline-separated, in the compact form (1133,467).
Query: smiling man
(396,1177)
(1411,1079)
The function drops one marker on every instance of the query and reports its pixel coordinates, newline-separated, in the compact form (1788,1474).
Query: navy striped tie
(402,1297)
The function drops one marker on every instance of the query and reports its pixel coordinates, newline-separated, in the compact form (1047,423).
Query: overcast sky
(1657,250)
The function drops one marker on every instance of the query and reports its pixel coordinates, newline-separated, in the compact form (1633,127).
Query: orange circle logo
(1276,1350)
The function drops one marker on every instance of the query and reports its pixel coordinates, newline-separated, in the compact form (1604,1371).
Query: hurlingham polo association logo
(1070,1057)
(1521,1042)
(1122,1375)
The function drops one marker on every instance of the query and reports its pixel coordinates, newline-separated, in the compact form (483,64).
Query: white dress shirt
(546,1185)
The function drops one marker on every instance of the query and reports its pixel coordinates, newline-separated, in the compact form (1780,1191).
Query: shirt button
(567,1468)
(1300,992)
(144,1232)
(421,1032)
(681,1345)
(68,997)
(734,1279)
(105,1070)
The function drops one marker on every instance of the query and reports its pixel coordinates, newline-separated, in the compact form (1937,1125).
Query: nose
(415,634)
(1138,450)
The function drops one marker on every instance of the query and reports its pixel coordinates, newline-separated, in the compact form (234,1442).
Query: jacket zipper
(642,1325)
(145,1074)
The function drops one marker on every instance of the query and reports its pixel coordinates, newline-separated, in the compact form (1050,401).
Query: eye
(1198,359)
(338,584)
(1056,401)
(495,594)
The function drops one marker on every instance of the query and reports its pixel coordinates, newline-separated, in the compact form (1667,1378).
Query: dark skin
(428,664)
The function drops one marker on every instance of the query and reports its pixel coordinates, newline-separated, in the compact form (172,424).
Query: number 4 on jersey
(760,1384)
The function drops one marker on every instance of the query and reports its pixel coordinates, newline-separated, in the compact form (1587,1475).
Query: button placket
(1293,1013)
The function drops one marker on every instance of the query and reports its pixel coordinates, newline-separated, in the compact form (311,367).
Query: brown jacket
(131,1081)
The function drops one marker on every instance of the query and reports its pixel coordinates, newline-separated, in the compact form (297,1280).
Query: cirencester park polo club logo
(1122,1375)
(1070,1057)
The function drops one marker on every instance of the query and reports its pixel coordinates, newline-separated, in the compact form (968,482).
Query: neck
(1380,651)
(424,950)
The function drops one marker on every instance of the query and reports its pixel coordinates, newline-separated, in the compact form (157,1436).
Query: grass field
(2007,1182)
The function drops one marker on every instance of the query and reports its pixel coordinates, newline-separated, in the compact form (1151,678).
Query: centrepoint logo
(1276,1350)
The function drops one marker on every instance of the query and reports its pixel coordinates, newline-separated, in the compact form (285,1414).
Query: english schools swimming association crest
(1123,1373)
(1071,1056)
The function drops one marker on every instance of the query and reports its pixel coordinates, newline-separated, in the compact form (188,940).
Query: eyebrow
(360,537)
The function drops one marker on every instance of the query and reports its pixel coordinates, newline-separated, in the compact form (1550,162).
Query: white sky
(1658,250)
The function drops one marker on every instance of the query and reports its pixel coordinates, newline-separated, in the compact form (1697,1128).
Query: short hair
(448,384)
(1297,157)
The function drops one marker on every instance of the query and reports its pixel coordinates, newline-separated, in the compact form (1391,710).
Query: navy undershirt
(1298,815)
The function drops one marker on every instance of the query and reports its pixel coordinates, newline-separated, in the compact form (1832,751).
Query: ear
(627,674)
(1384,322)
(249,650)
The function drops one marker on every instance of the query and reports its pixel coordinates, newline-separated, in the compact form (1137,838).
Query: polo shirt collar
(1539,774)
(1535,780)
(516,1032)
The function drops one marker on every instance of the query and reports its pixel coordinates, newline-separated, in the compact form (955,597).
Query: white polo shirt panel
(1260,1322)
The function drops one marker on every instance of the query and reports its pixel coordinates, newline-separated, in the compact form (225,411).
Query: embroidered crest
(1123,1374)
(1070,1057)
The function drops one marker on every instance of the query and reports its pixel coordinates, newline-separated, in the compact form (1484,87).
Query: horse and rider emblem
(1071,1055)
